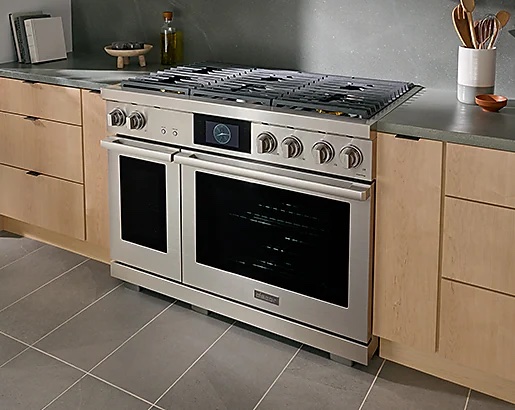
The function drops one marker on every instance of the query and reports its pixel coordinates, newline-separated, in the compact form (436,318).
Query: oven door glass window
(143,203)
(291,240)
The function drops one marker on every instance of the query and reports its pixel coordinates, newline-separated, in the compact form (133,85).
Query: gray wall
(411,40)
(56,8)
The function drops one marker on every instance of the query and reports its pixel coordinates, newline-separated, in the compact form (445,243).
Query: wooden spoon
(469,6)
(461,26)
(502,19)
(503,16)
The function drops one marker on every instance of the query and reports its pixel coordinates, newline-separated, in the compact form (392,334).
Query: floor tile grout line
(64,392)
(193,364)
(467,400)
(75,315)
(23,257)
(87,373)
(277,378)
(42,286)
(132,336)
(372,385)
(14,357)
(121,389)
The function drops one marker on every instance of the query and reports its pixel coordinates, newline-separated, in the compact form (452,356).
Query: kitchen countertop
(438,115)
(431,114)
(91,72)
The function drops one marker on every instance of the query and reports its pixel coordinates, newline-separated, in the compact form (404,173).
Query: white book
(45,37)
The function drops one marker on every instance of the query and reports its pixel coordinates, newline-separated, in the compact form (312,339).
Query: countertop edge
(446,136)
(47,79)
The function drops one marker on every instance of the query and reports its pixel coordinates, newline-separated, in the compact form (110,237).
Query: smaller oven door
(144,206)
(288,242)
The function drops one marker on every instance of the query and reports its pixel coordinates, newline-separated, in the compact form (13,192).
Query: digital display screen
(222,134)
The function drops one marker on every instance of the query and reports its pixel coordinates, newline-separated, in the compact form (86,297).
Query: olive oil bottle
(171,42)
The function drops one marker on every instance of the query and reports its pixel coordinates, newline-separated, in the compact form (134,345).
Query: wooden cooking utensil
(503,16)
(469,6)
(461,26)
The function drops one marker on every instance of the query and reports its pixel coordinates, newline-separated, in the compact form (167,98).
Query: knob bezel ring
(267,136)
(295,141)
(354,149)
(328,146)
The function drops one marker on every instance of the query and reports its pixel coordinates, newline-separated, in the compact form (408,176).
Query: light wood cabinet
(43,201)
(47,147)
(408,204)
(51,102)
(479,245)
(478,328)
(95,169)
(481,174)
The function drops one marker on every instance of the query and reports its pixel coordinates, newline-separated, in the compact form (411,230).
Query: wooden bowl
(491,102)
(128,53)
(124,55)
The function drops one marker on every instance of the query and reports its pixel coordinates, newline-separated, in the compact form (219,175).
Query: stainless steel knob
(351,157)
(136,121)
(266,143)
(116,118)
(291,147)
(323,152)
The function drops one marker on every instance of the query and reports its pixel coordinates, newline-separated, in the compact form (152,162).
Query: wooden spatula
(461,25)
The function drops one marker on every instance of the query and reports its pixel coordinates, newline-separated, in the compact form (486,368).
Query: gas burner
(286,89)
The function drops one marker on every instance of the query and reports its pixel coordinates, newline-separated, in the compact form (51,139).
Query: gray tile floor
(72,337)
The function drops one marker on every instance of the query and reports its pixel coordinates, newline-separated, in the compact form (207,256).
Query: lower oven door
(287,242)
(144,206)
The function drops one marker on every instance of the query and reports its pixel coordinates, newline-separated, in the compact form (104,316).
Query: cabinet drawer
(477,328)
(46,101)
(481,174)
(43,201)
(478,244)
(48,147)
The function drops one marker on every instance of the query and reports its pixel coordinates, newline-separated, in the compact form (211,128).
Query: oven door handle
(143,149)
(358,193)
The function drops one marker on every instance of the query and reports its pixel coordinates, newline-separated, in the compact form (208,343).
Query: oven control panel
(330,153)
(151,123)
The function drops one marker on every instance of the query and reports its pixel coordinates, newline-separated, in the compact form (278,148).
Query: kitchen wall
(410,40)
(55,8)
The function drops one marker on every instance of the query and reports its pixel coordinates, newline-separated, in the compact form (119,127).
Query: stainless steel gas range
(250,192)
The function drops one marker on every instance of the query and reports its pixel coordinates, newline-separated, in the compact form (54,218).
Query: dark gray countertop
(438,115)
(432,114)
(91,72)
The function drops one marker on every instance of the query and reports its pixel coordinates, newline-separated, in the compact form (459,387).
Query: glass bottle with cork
(171,41)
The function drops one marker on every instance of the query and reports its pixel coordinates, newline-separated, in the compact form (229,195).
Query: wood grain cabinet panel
(47,147)
(481,174)
(408,204)
(479,244)
(95,169)
(48,202)
(50,102)
(478,328)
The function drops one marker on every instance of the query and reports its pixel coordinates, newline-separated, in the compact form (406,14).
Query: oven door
(144,206)
(288,242)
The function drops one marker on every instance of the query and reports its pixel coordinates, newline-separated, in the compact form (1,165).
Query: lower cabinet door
(477,328)
(40,200)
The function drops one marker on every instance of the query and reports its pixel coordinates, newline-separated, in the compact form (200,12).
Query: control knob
(291,147)
(136,121)
(266,143)
(351,157)
(116,118)
(323,152)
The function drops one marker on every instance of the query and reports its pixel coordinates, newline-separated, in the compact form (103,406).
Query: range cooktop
(299,91)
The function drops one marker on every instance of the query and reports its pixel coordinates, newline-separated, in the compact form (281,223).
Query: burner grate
(183,79)
(260,86)
(347,96)
(293,90)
